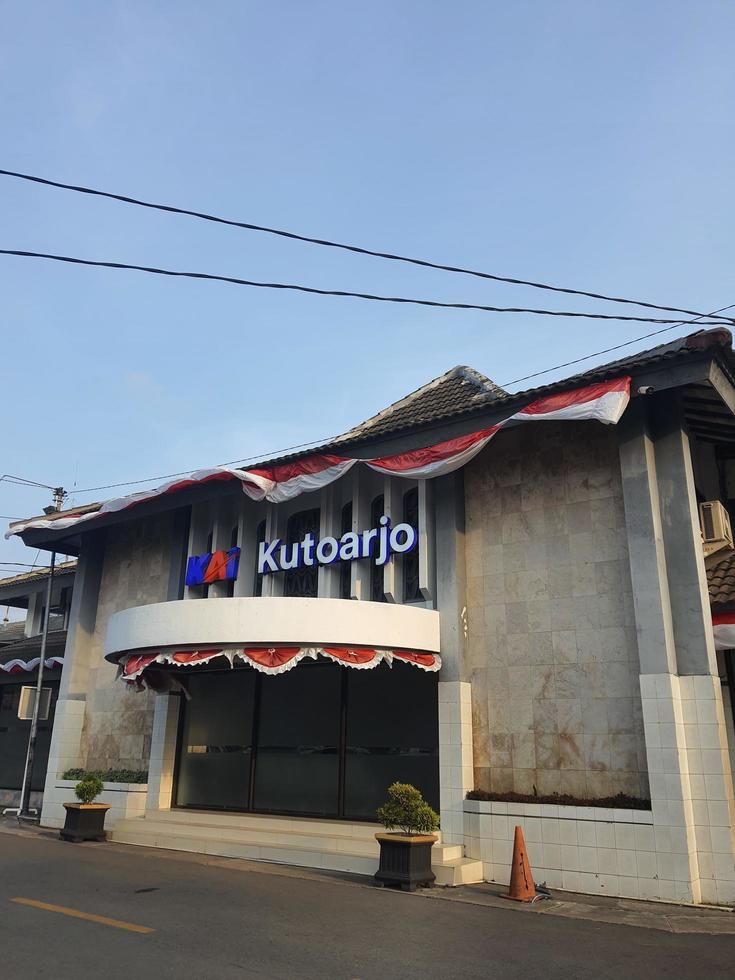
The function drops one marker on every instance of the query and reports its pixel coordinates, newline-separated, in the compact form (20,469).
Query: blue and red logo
(214,566)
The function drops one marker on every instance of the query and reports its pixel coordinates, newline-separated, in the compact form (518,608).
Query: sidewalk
(618,911)
(680,919)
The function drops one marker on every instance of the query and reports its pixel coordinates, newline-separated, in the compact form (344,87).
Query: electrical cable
(154,270)
(276,453)
(326,243)
(607,350)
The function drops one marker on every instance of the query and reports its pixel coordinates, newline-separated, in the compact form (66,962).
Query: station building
(487,595)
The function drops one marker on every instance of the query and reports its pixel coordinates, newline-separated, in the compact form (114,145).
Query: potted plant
(405,857)
(85,820)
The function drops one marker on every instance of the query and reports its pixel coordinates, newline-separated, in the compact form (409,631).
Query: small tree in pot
(405,857)
(85,820)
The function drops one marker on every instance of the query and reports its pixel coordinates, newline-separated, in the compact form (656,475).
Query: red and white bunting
(723,625)
(26,666)
(279,659)
(604,402)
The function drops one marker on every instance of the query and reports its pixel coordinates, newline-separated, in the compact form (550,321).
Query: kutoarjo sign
(379,542)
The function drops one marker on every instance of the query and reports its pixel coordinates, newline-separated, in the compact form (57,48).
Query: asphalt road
(217,922)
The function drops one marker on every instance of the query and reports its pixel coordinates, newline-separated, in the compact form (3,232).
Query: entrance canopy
(276,660)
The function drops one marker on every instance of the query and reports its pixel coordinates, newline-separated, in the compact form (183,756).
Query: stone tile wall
(552,653)
(118,721)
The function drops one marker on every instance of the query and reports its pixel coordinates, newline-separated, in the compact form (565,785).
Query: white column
(33,623)
(392,573)
(63,754)
(427,535)
(456,776)
(328,576)
(163,752)
(65,751)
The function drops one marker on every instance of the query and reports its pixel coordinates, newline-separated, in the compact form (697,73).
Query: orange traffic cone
(522,886)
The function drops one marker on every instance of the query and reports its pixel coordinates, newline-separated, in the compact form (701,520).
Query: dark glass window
(392,735)
(297,767)
(377,509)
(230,590)
(216,743)
(411,591)
(259,538)
(301,581)
(321,739)
(345,571)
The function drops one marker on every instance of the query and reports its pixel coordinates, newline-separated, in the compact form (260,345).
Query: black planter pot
(405,861)
(84,821)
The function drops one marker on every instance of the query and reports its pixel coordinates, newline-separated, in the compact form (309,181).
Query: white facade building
(540,631)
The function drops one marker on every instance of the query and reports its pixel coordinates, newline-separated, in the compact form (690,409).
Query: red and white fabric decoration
(723,625)
(604,402)
(26,666)
(279,659)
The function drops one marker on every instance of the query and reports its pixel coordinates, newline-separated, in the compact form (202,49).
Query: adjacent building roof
(721,582)
(30,647)
(11,632)
(63,568)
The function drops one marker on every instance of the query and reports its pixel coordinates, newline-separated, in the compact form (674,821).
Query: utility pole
(24,812)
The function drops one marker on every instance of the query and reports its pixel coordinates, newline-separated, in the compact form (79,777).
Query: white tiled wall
(691,780)
(598,850)
(683,849)
(455,756)
(125,799)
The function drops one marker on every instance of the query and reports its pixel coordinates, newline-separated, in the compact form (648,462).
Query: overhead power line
(23,564)
(608,350)
(277,453)
(154,270)
(357,249)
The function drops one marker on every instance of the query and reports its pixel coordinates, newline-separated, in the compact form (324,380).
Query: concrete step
(333,845)
(267,823)
(283,853)
(208,833)
(458,871)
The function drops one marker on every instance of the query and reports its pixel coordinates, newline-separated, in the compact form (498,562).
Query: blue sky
(584,143)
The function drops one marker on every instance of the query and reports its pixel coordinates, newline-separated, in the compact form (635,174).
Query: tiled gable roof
(721,582)
(456,391)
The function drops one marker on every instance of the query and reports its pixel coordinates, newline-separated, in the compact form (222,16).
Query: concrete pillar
(362,496)
(456,771)
(163,751)
(649,577)
(328,576)
(684,725)
(64,751)
(179,553)
(690,609)
(34,620)
(450,573)
(427,533)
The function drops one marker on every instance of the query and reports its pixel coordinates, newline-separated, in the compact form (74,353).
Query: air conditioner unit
(716,530)
(28,700)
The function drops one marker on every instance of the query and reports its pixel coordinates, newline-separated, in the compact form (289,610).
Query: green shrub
(109,775)
(88,789)
(406,808)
